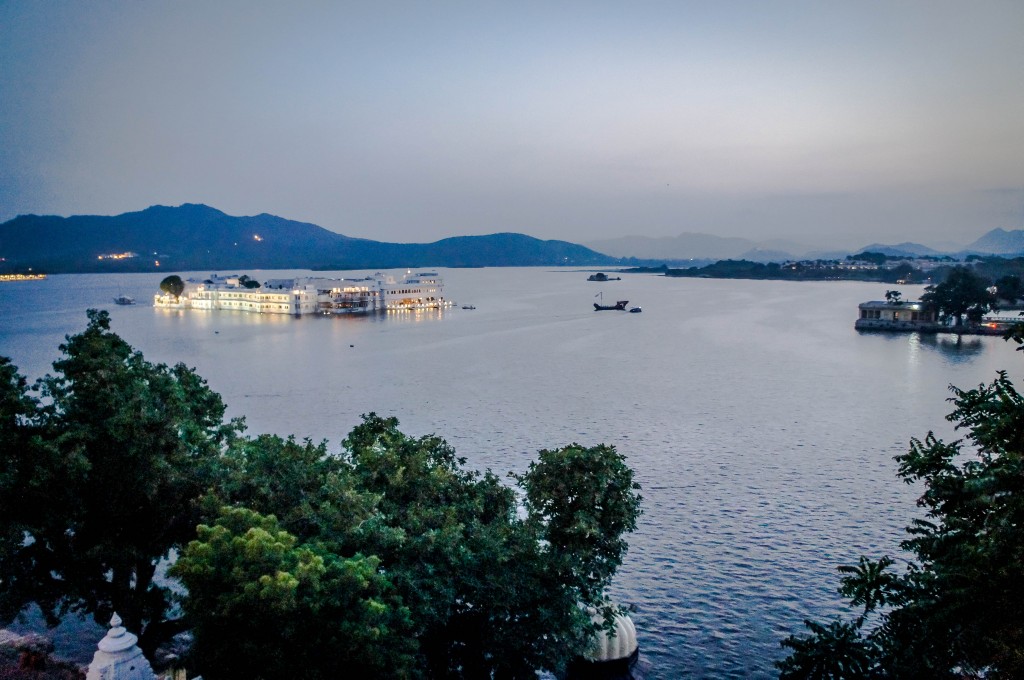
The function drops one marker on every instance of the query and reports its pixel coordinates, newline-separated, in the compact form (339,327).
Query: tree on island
(954,611)
(246,282)
(893,297)
(1010,288)
(963,293)
(389,559)
(173,285)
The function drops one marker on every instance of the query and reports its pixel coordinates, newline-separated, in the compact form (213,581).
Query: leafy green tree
(22,495)
(121,454)
(579,502)
(492,587)
(265,605)
(963,293)
(584,500)
(173,285)
(954,611)
(311,492)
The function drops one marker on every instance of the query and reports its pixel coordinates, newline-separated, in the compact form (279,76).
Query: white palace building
(311,295)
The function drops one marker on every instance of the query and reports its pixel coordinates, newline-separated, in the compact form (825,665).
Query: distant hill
(999,242)
(198,237)
(906,249)
(683,247)
(766,255)
(694,246)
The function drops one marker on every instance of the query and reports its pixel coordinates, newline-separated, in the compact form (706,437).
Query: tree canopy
(104,480)
(438,536)
(954,610)
(1009,288)
(246,282)
(386,559)
(173,285)
(963,293)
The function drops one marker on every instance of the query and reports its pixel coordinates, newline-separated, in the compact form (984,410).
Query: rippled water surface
(761,426)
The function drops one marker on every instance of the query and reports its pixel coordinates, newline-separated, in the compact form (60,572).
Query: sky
(835,124)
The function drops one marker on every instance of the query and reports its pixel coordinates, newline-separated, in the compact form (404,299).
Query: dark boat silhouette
(620,305)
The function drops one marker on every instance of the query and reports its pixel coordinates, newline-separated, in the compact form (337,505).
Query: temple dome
(610,645)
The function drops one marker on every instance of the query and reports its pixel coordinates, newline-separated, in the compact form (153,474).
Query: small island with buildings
(965,303)
(305,295)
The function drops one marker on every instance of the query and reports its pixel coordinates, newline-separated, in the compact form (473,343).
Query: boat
(468,307)
(620,305)
(124,300)
(635,310)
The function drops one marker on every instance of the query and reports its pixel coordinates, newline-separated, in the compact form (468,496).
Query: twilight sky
(833,123)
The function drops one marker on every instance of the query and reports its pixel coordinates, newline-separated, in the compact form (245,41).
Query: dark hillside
(197,237)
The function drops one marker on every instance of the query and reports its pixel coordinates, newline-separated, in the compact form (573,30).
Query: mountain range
(198,237)
(193,237)
(696,246)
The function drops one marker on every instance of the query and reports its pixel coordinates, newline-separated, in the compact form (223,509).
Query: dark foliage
(963,293)
(103,481)
(954,611)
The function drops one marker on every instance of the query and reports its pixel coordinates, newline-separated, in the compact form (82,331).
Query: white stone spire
(118,657)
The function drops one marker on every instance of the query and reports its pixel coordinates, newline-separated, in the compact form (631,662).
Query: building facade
(311,295)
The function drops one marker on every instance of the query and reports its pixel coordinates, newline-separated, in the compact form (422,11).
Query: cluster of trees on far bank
(385,559)
(966,295)
(885,269)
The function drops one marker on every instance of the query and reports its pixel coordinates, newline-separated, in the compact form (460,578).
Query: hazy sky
(836,123)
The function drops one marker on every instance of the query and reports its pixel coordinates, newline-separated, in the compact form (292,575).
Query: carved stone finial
(118,657)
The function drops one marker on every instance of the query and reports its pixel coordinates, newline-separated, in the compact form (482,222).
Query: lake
(760,424)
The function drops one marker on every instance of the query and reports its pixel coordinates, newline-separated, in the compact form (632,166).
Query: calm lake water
(760,424)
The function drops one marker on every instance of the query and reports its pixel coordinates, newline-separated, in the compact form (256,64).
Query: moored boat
(620,305)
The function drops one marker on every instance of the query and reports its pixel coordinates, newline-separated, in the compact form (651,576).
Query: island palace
(311,295)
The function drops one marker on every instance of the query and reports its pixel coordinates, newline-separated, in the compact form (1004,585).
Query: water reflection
(412,315)
(955,348)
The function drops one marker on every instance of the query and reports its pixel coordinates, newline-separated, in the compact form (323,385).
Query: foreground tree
(954,612)
(388,560)
(107,483)
(484,587)
(446,558)
(963,293)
